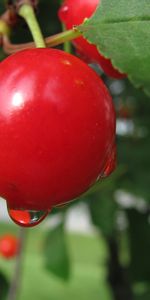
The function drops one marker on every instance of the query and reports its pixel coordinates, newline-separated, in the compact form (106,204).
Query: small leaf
(56,254)
(103,210)
(121,31)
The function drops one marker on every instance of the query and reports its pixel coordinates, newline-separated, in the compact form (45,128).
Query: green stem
(67,44)
(26,11)
(62,37)
(51,41)
(17,276)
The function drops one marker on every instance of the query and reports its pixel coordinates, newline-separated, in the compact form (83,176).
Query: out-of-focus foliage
(134,148)
(56,253)
(4,284)
(139,243)
(103,210)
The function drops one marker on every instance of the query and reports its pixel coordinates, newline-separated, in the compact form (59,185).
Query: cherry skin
(9,246)
(57,128)
(73,13)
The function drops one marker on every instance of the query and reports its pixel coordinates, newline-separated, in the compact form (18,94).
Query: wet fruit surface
(57,128)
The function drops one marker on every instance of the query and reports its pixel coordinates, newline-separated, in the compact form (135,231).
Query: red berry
(57,128)
(9,246)
(73,13)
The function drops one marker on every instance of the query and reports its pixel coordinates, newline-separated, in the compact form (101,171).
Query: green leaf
(103,210)
(4,285)
(139,242)
(121,31)
(56,253)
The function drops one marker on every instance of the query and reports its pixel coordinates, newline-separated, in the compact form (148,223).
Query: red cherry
(9,246)
(57,128)
(73,13)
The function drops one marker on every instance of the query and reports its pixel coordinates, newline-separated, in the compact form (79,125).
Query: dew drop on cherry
(27,218)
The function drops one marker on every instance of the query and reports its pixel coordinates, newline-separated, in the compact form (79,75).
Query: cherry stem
(51,41)
(26,11)
(67,44)
(15,283)
(62,37)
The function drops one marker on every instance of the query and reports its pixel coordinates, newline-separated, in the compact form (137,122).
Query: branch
(15,283)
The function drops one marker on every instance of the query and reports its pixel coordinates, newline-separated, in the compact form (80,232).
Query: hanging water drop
(111,163)
(27,218)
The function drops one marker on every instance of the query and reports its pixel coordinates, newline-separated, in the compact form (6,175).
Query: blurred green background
(103,251)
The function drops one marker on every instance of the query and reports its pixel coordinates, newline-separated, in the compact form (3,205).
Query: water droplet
(27,218)
(79,82)
(111,163)
(66,62)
